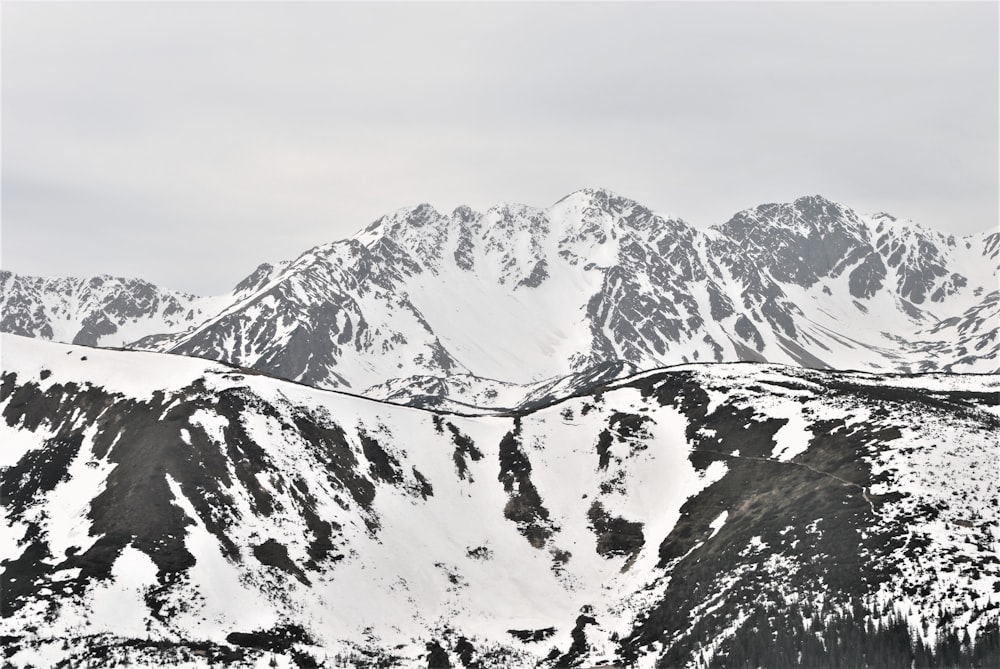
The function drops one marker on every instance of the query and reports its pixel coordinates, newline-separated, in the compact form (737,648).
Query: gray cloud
(187,142)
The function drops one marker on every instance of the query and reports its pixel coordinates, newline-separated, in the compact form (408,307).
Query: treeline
(774,638)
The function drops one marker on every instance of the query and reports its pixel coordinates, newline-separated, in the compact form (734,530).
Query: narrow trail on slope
(863,489)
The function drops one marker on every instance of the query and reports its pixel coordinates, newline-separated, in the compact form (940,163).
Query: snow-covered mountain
(479,309)
(163,510)
(101,310)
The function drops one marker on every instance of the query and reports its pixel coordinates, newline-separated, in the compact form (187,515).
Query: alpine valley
(582,436)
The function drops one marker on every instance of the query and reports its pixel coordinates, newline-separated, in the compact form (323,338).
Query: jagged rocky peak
(601,204)
(397,225)
(592,219)
(591,216)
(798,242)
(602,199)
(822,210)
(423,214)
(257,279)
(463,213)
(426,234)
(402,222)
(132,295)
(808,216)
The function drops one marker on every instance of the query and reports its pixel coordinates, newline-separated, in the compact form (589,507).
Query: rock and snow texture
(99,311)
(676,516)
(479,309)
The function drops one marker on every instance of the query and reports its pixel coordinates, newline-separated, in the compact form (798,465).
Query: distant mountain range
(487,309)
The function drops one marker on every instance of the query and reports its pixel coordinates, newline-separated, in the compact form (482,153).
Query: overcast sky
(186,143)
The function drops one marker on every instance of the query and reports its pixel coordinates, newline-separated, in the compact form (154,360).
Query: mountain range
(484,309)
(589,435)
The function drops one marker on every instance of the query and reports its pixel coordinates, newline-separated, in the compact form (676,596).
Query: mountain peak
(815,200)
(599,197)
(418,215)
(821,210)
(464,213)
(804,216)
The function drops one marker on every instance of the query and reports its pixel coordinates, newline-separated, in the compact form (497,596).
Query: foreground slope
(678,516)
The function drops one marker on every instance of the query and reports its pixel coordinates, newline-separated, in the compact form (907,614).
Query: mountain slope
(962,343)
(334,317)
(665,517)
